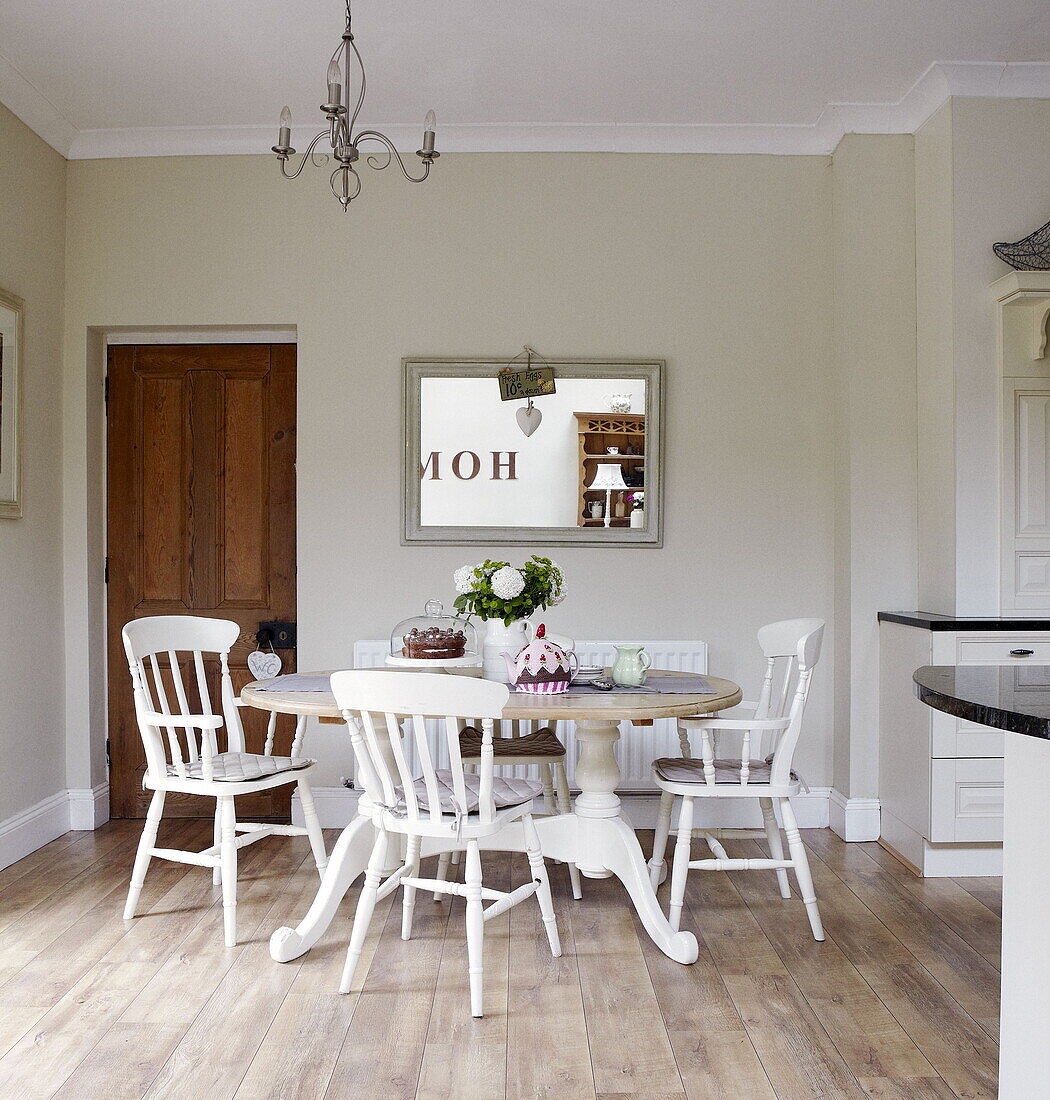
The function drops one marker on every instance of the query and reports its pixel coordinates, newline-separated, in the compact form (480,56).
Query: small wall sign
(528,382)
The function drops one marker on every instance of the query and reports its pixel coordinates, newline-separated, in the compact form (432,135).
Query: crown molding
(941,81)
(28,103)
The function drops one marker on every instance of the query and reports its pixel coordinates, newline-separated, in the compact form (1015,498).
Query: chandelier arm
(352,45)
(375,135)
(306,156)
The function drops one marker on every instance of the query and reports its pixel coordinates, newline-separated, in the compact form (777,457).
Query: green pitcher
(632,664)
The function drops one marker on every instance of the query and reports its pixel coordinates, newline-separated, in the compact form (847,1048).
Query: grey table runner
(655,685)
(294,682)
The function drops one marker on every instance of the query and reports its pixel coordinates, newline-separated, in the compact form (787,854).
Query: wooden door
(201,521)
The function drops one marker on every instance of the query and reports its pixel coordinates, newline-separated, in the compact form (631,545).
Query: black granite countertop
(1006,697)
(931,620)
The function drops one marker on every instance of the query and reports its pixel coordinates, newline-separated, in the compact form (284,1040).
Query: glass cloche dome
(435,636)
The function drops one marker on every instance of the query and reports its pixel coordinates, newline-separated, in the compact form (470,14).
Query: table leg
(349,858)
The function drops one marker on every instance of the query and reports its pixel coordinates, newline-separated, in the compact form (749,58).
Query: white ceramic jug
(631,666)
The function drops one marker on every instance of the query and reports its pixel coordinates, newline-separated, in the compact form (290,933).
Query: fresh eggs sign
(514,385)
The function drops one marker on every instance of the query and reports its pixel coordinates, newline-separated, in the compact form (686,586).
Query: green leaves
(543,585)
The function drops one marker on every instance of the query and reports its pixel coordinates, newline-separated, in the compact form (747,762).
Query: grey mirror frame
(413,370)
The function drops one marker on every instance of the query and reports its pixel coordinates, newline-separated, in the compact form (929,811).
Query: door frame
(87,693)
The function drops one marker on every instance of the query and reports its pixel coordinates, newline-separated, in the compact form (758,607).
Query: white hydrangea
(558,595)
(507,582)
(463,578)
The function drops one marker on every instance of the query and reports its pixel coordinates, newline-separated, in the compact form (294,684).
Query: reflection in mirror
(478,469)
(580,464)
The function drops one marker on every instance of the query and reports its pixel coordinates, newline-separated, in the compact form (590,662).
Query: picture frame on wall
(12,330)
(576,461)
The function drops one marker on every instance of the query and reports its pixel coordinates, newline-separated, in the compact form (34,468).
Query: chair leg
(366,904)
(683,743)
(801,864)
(547,779)
(147,841)
(776,846)
(561,780)
(663,828)
(408,899)
(442,872)
(216,871)
(475,929)
(228,860)
(313,826)
(543,890)
(680,868)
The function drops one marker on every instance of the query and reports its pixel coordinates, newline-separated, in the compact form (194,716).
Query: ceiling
(134,78)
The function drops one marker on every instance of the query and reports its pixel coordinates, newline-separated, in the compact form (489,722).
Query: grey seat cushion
(239,767)
(505,792)
(675,769)
(541,742)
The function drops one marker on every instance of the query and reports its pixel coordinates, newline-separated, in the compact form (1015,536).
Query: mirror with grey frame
(582,465)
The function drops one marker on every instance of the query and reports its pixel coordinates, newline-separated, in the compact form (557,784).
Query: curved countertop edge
(933,688)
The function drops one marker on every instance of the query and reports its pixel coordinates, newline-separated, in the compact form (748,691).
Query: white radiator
(638,745)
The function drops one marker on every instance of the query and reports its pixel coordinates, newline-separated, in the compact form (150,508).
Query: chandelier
(339,130)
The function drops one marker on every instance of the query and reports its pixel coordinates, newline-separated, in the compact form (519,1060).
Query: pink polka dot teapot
(542,667)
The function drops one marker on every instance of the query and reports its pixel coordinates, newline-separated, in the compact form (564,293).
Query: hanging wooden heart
(528,419)
(263,665)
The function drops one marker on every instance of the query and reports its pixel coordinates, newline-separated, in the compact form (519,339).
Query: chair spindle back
(377,706)
(792,649)
(153,647)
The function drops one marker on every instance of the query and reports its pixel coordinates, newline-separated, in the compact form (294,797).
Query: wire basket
(1030,254)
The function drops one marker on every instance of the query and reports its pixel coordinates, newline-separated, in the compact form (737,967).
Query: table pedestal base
(596,837)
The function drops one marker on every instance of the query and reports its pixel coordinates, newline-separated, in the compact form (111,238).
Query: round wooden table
(595,836)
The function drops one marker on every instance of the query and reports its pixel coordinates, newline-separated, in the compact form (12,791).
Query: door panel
(1025,534)
(201,520)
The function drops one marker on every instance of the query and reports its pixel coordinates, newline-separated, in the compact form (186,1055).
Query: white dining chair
(452,807)
(792,649)
(194,764)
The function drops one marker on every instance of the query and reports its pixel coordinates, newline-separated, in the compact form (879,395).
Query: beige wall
(874,265)
(719,264)
(1001,192)
(935,374)
(982,175)
(32,231)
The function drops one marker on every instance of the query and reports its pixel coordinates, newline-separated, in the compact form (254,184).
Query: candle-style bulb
(284,135)
(429,126)
(335,75)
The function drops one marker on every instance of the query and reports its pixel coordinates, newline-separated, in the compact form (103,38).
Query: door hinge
(105,390)
(106,576)
(108,759)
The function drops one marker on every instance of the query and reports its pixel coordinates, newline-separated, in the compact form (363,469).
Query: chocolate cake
(434,644)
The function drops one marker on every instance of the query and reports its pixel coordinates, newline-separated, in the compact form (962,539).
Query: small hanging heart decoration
(263,665)
(528,419)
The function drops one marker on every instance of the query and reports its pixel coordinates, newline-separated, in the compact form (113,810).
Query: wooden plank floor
(900,1002)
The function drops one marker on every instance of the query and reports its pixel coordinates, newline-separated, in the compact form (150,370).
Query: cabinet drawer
(966,801)
(953,737)
(997,651)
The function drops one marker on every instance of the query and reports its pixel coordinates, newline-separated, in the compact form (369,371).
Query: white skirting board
(88,806)
(854,819)
(336,807)
(49,818)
